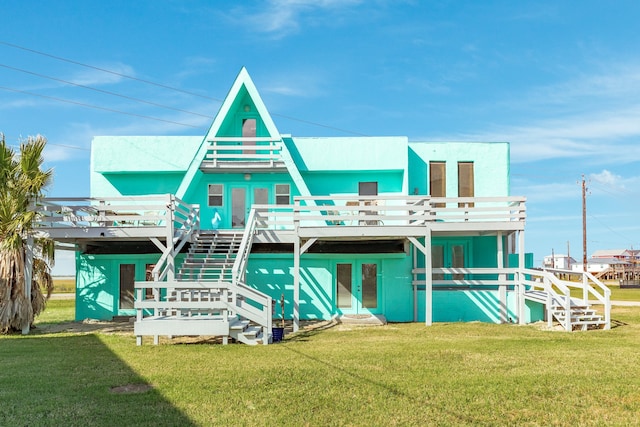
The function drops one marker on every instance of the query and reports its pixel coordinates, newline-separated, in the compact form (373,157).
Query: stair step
(252,331)
(239,325)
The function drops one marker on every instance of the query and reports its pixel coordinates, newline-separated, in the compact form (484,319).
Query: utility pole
(568,257)
(584,224)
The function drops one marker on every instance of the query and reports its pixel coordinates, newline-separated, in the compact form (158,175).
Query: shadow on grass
(617,323)
(386,387)
(309,331)
(76,380)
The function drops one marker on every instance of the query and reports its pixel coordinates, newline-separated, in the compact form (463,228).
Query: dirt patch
(131,389)
(86,326)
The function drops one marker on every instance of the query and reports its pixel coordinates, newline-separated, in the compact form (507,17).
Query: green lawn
(617,294)
(63,285)
(399,374)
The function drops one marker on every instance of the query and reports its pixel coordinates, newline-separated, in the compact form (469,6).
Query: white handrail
(240,262)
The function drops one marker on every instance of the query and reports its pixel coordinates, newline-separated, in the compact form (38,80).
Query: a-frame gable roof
(242,87)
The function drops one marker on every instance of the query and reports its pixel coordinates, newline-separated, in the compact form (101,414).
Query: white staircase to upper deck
(211,257)
(207,298)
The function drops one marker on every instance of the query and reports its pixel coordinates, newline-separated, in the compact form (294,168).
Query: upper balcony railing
(388,210)
(243,152)
(159,212)
(137,215)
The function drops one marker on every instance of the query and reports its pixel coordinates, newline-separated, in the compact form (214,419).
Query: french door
(242,199)
(452,254)
(357,287)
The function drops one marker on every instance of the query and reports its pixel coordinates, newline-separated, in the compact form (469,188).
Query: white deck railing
(555,292)
(263,151)
(558,292)
(175,304)
(386,210)
(129,211)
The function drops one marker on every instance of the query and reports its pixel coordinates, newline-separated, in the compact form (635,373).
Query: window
(127,278)
(249,128)
(438,181)
(283,194)
(249,131)
(148,276)
(215,194)
(343,286)
(368,188)
(465,182)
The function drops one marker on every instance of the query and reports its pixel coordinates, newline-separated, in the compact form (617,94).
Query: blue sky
(559,80)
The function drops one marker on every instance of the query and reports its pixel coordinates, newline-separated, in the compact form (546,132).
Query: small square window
(368,188)
(215,194)
(283,194)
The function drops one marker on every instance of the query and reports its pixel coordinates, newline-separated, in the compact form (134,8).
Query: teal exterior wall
(273,275)
(346,182)
(514,260)
(139,165)
(198,192)
(98,283)
(491,166)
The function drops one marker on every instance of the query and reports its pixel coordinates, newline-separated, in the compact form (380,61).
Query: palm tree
(22,182)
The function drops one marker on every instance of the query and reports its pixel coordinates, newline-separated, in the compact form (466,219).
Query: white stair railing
(240,263)
(558,292)
(183,221)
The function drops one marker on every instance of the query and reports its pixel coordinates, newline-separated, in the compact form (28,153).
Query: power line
(97,107)
(104,70)
(70,61)
(104,91)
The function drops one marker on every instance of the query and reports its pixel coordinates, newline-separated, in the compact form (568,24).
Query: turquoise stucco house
(218,227)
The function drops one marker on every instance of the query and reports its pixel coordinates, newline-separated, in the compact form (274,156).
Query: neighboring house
(356,227)
(559,261)
(613,264)
(621,254)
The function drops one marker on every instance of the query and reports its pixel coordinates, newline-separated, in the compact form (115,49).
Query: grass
(399,374)
(63,286)
(617,294)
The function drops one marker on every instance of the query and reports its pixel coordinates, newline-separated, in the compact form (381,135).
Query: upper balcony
(70,220)
(243,154)
(340,217)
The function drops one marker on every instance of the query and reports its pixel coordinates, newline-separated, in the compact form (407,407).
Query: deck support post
(171,265)
(28,278)
(296,284)
(428,274)
(502,288)
(428,279)
(521,302)
(297,251)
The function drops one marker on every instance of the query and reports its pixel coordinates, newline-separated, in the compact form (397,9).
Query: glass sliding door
(238,207)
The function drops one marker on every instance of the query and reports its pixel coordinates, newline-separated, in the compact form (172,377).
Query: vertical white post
(296,284)
(502,288)
(171,265)
(415,284)
(428,279)
(28,277)
(521,311)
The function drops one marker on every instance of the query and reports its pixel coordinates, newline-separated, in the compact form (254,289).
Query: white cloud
(592,117)
(607,178)
(93,77)
(283,17)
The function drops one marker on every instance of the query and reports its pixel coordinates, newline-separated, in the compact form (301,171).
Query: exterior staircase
(580,316)
(206,298)
(210,257)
